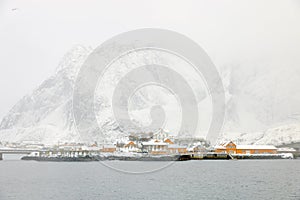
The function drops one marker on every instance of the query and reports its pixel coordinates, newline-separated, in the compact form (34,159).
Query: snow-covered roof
(219,147)
(153,143)
(286,149)
(256,147)
(107,146)
(228,142)
(176,146)
(131,143)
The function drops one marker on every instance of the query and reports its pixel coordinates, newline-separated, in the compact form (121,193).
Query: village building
(130,147)
(286,150)
(108,149)
(161,135)
(177,149)
(168,141)
(70,146)
(155,147)
(232,148)
(35,154)
(31,144)
(197,149)
(94,145)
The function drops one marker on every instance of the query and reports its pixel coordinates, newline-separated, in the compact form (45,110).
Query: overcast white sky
(34,35)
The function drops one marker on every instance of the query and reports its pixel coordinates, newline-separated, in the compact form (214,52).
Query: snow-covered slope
(285,134)
(46,114)
(261,96)
(257,98)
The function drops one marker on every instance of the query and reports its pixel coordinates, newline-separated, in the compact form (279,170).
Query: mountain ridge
(46,114)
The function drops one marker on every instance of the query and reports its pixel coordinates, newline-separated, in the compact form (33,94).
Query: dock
(205,156)
(226,156)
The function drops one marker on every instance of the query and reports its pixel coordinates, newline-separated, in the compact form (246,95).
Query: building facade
(232,148)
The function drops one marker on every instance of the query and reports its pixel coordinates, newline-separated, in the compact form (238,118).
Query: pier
(205,156)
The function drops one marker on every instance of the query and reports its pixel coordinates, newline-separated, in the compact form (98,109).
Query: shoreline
(103,158)
(185,157)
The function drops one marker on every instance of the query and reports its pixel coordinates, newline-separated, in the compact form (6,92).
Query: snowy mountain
(257,99)
(46,114)
(285,134)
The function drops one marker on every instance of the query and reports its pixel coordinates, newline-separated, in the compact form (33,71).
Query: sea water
(216,179)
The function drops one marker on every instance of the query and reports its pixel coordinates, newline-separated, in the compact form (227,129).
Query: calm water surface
(243,179)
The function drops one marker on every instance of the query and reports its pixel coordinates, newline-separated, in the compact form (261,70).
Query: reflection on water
(243,179)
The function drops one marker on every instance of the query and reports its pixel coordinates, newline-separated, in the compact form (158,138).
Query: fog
(252,36)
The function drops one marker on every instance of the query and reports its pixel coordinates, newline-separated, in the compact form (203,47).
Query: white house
(155,147)
(130,147)
(161,135)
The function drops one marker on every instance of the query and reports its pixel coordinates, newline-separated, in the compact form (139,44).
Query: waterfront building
(177,149)
(232,148)
(71,146)
(168,141)
(198,148)
(155,147)
(286,150)
(108,149)
(130,147)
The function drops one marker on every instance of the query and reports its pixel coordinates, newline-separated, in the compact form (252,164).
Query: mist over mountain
(261,106)
(46,114)
(262,96)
